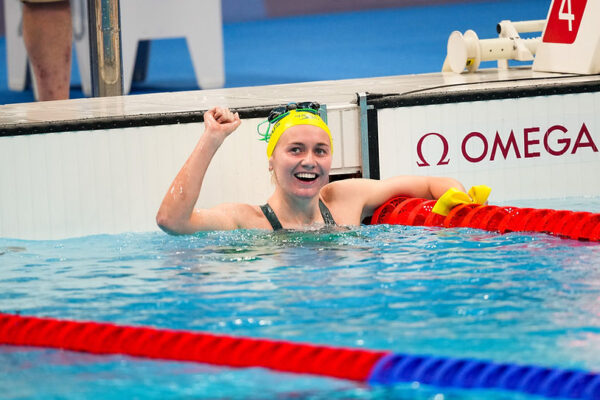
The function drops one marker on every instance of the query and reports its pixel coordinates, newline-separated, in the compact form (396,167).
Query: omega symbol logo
(443,160)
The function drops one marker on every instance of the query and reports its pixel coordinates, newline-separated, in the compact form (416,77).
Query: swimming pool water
(529,299)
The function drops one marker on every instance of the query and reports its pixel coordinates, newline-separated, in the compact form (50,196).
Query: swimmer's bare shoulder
(346,200)
(229,216)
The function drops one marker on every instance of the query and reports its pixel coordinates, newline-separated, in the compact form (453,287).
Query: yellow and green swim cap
(295,117)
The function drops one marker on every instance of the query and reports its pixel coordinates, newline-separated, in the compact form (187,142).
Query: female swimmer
(300,152)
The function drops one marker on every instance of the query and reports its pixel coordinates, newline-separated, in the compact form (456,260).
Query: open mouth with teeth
(306,176)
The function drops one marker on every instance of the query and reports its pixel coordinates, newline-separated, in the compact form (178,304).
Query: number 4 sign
(564,20)
(571,39)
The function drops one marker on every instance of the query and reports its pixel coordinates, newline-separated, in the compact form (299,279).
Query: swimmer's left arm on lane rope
(176,214)
(367,195)
(428,187)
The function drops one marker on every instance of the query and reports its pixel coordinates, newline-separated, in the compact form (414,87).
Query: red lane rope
(353,364)
(106,338)
(417,212)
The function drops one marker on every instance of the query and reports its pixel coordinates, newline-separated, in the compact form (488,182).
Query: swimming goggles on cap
(281,112)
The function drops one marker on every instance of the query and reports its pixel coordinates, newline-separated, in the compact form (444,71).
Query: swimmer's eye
(295,150)
(321,151)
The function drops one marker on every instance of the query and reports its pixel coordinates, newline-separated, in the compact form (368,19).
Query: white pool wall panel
(522,175)
(344,124)
(111,181)
(71,184)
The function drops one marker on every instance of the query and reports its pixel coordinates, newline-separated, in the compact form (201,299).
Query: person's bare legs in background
(47,33)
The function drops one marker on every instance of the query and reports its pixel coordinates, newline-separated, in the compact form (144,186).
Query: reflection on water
(451,292)
(10,249)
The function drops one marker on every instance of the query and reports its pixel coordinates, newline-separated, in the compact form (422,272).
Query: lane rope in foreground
(374,367)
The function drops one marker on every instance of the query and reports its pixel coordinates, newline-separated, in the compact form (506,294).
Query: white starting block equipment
(16,55)
(468,51)
(200,22)
(570,42)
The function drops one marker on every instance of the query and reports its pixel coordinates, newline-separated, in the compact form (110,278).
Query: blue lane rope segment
(477,374)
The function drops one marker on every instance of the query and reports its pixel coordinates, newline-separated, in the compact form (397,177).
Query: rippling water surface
(531,299)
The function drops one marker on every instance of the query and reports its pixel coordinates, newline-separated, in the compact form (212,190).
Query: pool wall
(79,183)
(102,166)
(524,148)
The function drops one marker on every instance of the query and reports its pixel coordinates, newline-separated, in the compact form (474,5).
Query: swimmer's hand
(220,122)
(454,197)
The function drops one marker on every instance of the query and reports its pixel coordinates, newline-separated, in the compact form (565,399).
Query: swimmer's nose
(309,160)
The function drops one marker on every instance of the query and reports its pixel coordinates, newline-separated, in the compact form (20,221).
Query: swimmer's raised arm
(176,213)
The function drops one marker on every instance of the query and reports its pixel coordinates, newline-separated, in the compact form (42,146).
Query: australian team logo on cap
(295,117)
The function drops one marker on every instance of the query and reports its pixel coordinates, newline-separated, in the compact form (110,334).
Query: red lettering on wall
(566,142)
(528,142)
(511,142)
(464,147)
(590,142)
(443,160)
(557,141)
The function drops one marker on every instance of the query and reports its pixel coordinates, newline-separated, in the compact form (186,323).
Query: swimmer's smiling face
(301,160)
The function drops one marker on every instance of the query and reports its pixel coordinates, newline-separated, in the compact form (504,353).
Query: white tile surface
(326,92)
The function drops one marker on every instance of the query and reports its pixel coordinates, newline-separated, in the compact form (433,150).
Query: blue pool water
(530,299)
